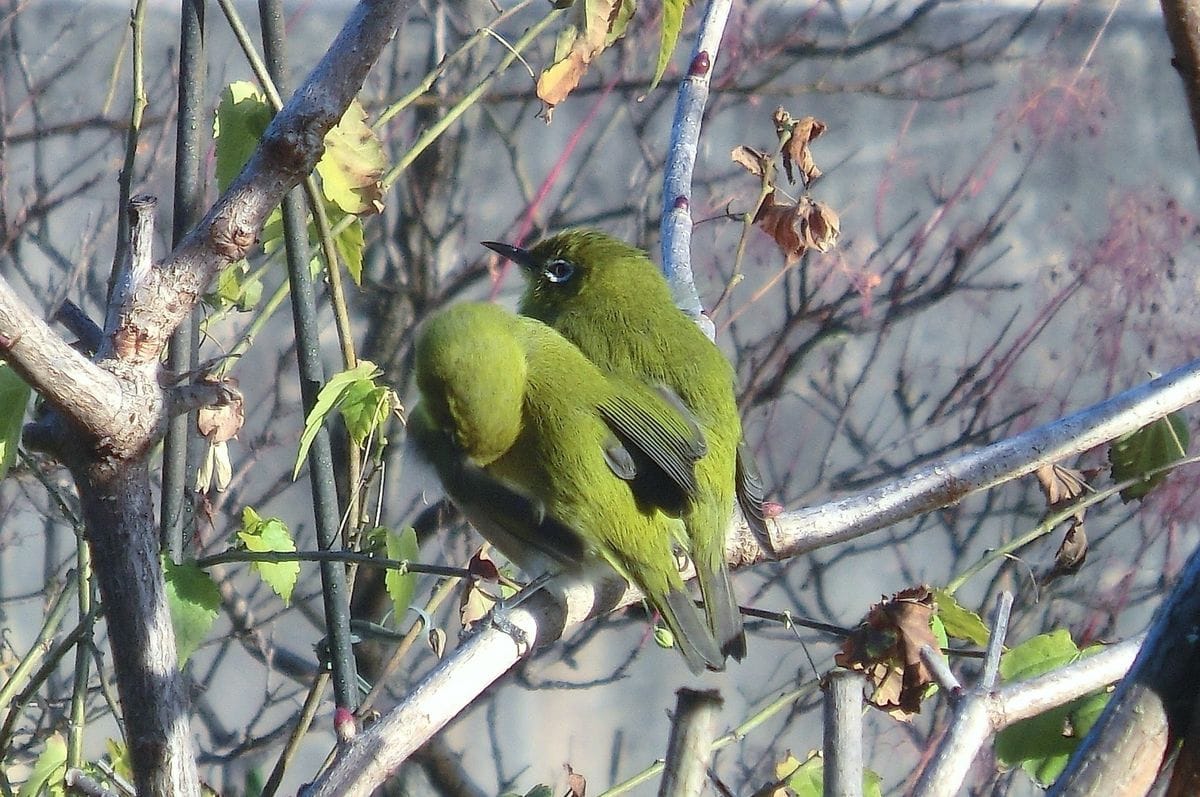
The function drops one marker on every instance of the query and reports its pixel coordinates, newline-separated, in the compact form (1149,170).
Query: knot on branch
(296,143)
(231,237)
(134,344)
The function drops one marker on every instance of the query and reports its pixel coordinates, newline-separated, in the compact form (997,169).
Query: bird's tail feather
(724,616)
(691,634)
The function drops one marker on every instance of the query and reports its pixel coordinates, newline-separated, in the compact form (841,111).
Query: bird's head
(578,267)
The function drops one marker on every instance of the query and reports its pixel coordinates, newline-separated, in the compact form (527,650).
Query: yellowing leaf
(353,162)
(270,534)
(585,38)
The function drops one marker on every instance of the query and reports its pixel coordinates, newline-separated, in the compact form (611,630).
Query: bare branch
(681,160)
(984,713)
(63,376)
(685,772)
(949,481)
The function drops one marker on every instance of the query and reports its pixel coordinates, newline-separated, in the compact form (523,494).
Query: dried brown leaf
(482,592)
(821,227)
(437,641)
(798,227)
(576,783)
(1060,485)
(1072,552)
(886,648)
(749,159)
(798,134)
(222,421)
(779,221)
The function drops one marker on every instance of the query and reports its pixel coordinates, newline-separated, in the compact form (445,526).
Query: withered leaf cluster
(1062,487)
(886,648)
(795,225)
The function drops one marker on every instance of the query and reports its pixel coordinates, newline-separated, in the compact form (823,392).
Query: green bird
(562,468)
(611,301)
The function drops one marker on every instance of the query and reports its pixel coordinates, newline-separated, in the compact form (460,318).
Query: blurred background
(1016,190)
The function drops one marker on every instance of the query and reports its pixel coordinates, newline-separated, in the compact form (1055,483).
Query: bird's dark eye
(558,270)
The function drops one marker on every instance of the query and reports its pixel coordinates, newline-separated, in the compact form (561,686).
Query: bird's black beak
(516,254)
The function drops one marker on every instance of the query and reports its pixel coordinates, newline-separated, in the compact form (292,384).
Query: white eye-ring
(558,270)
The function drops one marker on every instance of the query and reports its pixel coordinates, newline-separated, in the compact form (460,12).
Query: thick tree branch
(290,148)
(119,404)
(63,376)
(949,481)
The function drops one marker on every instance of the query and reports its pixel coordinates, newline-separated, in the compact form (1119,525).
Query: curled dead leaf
(886,648)
(750,159)
(576,783)
(822,227)
(221,422)
(482,592)
(1060,485)
(800,226)
(437,641)
(1072,552)
(797,134)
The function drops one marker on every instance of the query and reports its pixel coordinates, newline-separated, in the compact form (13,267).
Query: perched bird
(611,301)
(555,463)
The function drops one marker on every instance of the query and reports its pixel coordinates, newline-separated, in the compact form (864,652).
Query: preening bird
(561,467)
(611,301)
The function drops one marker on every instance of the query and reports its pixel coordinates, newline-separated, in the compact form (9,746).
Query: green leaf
(400,586)
(672,23)
(402,546)
(350,245)
(242,116)
(253,784)
(364,407)
(328,400)
(355,386)
(14,398)
(352,164)
(1043,744)
(193,600)
(48,771)
(118,758)
(270,534)
(236,288)
(1137,453)
(1038,655)
(960,623)
(806,778)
